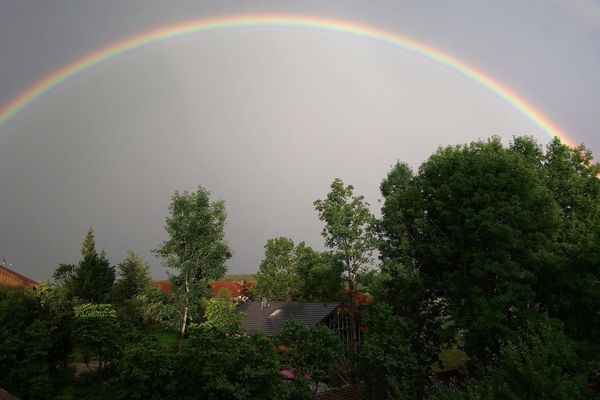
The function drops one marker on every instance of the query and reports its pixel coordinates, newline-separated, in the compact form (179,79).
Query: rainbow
(89,60)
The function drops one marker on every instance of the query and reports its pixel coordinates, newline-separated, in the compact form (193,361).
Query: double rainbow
(89,60)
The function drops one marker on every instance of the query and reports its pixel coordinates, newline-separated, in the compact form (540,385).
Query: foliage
(218,366)
(321,274)
(220,314)
(348,229)
(134,278)
(308,352)
(277,278)
(97,331)
(290,272)
(58,312)
(540,363)
(92,278)
(166,309)
(144,370)
(388,364)
(137,300)
(349,232)
(567,280)
(465,232)
(196,248)
(32,333)
(142,312)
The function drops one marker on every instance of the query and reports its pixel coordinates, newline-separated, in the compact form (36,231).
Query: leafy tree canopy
(348,229)
(196,249)
(468,230)
(220,314)
(290,272)
(92,278)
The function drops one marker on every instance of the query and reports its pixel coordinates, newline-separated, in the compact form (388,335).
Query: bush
(541,363)
(214,365)
(31,336)
(144,370)
(387,363)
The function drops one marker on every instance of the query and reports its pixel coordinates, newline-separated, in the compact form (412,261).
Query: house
(8,277)
(269,317)
(164,286)
(237,290)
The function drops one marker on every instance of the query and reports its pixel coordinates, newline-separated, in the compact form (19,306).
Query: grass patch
(239,277)
(166,338)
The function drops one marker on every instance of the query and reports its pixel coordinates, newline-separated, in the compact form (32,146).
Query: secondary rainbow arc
(75,67)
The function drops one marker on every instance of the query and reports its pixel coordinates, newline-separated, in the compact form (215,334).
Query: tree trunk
(183,326)
(185,313)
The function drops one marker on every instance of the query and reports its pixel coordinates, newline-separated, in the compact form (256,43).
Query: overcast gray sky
(263,118)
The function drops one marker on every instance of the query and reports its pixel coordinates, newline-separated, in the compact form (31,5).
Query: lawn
(167,338)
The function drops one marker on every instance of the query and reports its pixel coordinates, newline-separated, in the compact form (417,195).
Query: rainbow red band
(283,21)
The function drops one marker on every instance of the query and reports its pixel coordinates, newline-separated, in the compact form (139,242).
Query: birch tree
(196,249)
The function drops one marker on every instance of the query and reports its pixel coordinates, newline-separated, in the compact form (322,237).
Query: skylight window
(274,313)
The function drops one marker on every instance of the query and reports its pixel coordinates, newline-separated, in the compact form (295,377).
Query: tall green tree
(90,280)
(196,249)
(465,232)
(349,233)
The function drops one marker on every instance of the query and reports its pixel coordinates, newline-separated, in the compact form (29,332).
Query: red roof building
(164,286)
(8,277)
(235,289)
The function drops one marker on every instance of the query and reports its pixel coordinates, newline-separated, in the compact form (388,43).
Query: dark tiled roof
(269,320)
